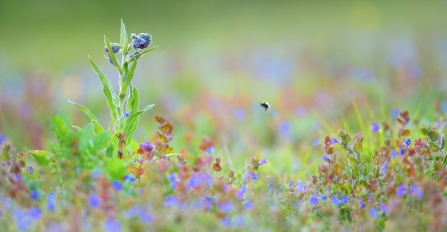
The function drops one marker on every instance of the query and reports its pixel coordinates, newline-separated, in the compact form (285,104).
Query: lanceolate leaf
(85,110)
(112,55)
(141,54)
(41,156)
(123,37)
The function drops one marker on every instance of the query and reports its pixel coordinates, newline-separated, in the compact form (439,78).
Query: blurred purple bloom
(126,115)
(30,169)
(226,221)
(145,217)
(324,197)
(263,161)
(2,139)
(373,212)
(401,190)
(443,106)
(362,204)
(316,142)
(402,151)
(335,200)
(21,221)
(173,181)
(248,205)
(300,187)
(171,201)
(375,127)
(393,154)
(436,124)
(141,40)
(384,208)
(133,211)
(326,158)
(1,213)
(344,199)
(112,225)
(394,113)
(313,199)
(242,191)
(129,178)
(51,206)
(254,176)
(94,200)
(8,204)
(95,173)
(407,142)
(334,140)
(416,191)
(117,185)
(148,146)
(198,178)
(226,207)
(35,194)
(208,202)
(239,221)
(270,187)
(384,168)
(35,213)
(284,128)
(210,150)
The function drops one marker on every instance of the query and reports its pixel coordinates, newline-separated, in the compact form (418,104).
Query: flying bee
(265,105)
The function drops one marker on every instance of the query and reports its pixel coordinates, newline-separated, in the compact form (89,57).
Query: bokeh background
(320,64)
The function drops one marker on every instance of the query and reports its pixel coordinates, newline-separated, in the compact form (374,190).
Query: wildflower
(407,142)
(334,140)
(362,204)
(402,151)
(117,185)
(384,168)
(173,181)
(270,187)
(344,199)
(241,192)
(373,212)
(94,200)
(393,154)
(141,40)
(208,202)
(35,194)
(95,173)
(50,202)
(384,208)
(375,127)
(316,142)
(171,201)
(133,211)
(21,221)
(394,113)
(324,197)
(1,213)
(198,178)
(254,176)
(239,113)
(132,55)
(210,150)
(335,200)
(226,207)
(313,199)
(263,161)
(401,190)
(129,178)
(126,115)
(30,169)
(284,128)
(115,47)
(146,217)
(148,146)
(326,158)
(35,213)
(226,221)
(416,191)
(248,205)
(3,139)
(300,187)
(239,221)
(436,124)
(112,225)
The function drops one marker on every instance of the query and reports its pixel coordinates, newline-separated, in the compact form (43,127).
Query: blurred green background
(311,60)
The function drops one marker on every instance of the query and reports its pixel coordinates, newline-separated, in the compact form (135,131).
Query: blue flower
(171,201)
(324,197)
(393,154)
(115,47)
(126,115)
(50,202)
(248,205)
(263,161)
(316,142)
(30,169)
(1,213)
(344,199)
(145,217)
(129,178)
(94,200)
(95,173)
(313,199)
(443,106)
(35,194)
(407,142)
(300,187)
(112,225)
(198,178)
(416,191)
(35,213)
(384,208)
(173,181)
(373,212)
(210,150)
(334,140)
(402,151)
(375,127)
(141,41)
(394,113)
(362,204)
(254,176)
(226,207)
(148,146)
(226,221)
(239,221)
(384,168)
(335,200)
(133,211)
(326,158)
(284,128)
(242,191)
(401,190)
(117,185)
(3,139)
(239,113)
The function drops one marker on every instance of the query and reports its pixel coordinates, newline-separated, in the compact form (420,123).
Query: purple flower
(254,176)
(115,47)
(394,113)
(375,127)
(239,113)
(208,203)
(362,204)
(324,197)
(94,200)
(416,191)
(402,151)
(242,191)
(326,158)
(126,115)
(335,200)
(344,199)
(50,202)
(334,140)
(129,178)
(35,213)
(226,207)
(171,201)
(313,199)
(35,194)
(141,41)
(112,225)
(401,190)
(210,150)
(239,221)
(300,187)
(148,146)
(284,128)
(198,178)
(393,154)
(373,212)
(3,139)
(384,208)
(117,185)
(95,173)
(384,168)
(263,161)
(30,169)
(133,211)
(316,142)
(248,205)
(407,142)
(173,181)
(145,217)
(226,221)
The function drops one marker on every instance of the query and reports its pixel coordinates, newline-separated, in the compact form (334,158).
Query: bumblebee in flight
(265,105)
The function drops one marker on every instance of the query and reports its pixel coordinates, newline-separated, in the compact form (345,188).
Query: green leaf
(112,55)
(443,142)
(112,99)
(148,107)
(41,156)
(433,135)
(136,100)
(129,78)
(85,110)
(140,54)
(77,128)
(116,168)
(433,145)
(352,160)
(97,127)
(123,37)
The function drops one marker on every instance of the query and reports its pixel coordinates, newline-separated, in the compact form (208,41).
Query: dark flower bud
(133,54)
(141,41)
(115,47)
